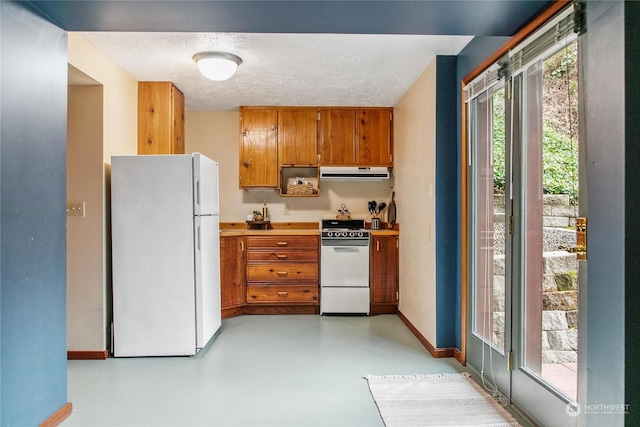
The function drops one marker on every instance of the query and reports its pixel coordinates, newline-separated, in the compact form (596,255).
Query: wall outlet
(75,209)
(287,210)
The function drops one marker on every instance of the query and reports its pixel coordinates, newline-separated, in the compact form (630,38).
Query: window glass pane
(489,218)
(551,200)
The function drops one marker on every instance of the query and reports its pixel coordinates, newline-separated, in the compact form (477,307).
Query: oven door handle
(346,248)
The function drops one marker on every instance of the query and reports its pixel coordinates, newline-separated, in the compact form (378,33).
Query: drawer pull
(283,293)
(281,243)
(282,256)
(282,273)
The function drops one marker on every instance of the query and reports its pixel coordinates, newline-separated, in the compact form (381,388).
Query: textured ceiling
(281,69)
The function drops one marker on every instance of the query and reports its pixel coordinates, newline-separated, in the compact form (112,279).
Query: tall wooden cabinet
(258,148)
(232,274)
(160,118)
(383,275)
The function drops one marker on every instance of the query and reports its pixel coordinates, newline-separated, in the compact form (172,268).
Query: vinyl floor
(274,370)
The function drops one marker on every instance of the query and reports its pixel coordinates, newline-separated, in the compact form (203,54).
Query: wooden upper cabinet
(258,148)
(337,133)
(297,137)
(160,118)
(356,137)
(374,145)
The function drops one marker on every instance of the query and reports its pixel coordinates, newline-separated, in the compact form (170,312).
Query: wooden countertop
(278,232)
(385,232)
(291,228)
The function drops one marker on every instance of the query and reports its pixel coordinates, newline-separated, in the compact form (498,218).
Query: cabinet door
(154,135)
(337,131)
(297,137)
(374,140)
(232,270)
(160,118)
(177,108)
(384,270)
(259,148)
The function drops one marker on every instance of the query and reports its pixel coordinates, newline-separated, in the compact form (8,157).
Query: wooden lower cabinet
(384,274)
(232,274)
(282,294)
(282,273)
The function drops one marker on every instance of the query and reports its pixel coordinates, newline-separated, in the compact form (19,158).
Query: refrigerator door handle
(198,238)
(198,192)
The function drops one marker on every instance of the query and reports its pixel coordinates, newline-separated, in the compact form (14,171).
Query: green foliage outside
(560,146)
(498,142)
(560,159)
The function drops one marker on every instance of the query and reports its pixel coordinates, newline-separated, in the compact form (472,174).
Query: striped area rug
(435,400)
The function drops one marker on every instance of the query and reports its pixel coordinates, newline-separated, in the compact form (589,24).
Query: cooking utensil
(381,207)
(372,207)
(391,212)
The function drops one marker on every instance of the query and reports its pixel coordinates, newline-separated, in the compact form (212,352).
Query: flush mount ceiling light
(217,66)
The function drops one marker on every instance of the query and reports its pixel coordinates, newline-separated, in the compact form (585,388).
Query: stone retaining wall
(560,284)
(559,302)
(557,211)
(560,308)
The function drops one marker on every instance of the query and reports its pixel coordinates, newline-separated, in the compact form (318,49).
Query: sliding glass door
(489,244)
(547,256)
(527,226)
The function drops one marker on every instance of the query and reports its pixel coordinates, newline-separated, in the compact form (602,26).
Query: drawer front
(282,242)
(282,256)
(282,272)
(282,294)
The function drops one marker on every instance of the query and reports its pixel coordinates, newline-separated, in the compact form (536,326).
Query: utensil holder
(375,223)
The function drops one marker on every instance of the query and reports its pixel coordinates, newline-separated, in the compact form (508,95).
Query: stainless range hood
(353,173)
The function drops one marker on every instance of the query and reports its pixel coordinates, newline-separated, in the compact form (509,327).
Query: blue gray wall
(447,280)
(33,120)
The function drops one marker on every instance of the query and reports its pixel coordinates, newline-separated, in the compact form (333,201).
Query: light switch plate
(75,209)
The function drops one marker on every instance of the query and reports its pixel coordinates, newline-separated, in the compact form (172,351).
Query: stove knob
(330,234)
(359,233)
(351,234)
(344,234)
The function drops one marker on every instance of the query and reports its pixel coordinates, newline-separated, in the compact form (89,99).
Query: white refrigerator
(165,254)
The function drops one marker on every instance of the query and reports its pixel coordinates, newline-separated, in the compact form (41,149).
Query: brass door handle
(281,243)
(282,273)
(283,293)
(281,256)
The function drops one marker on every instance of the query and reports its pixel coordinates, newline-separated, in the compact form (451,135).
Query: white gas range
(344,267)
